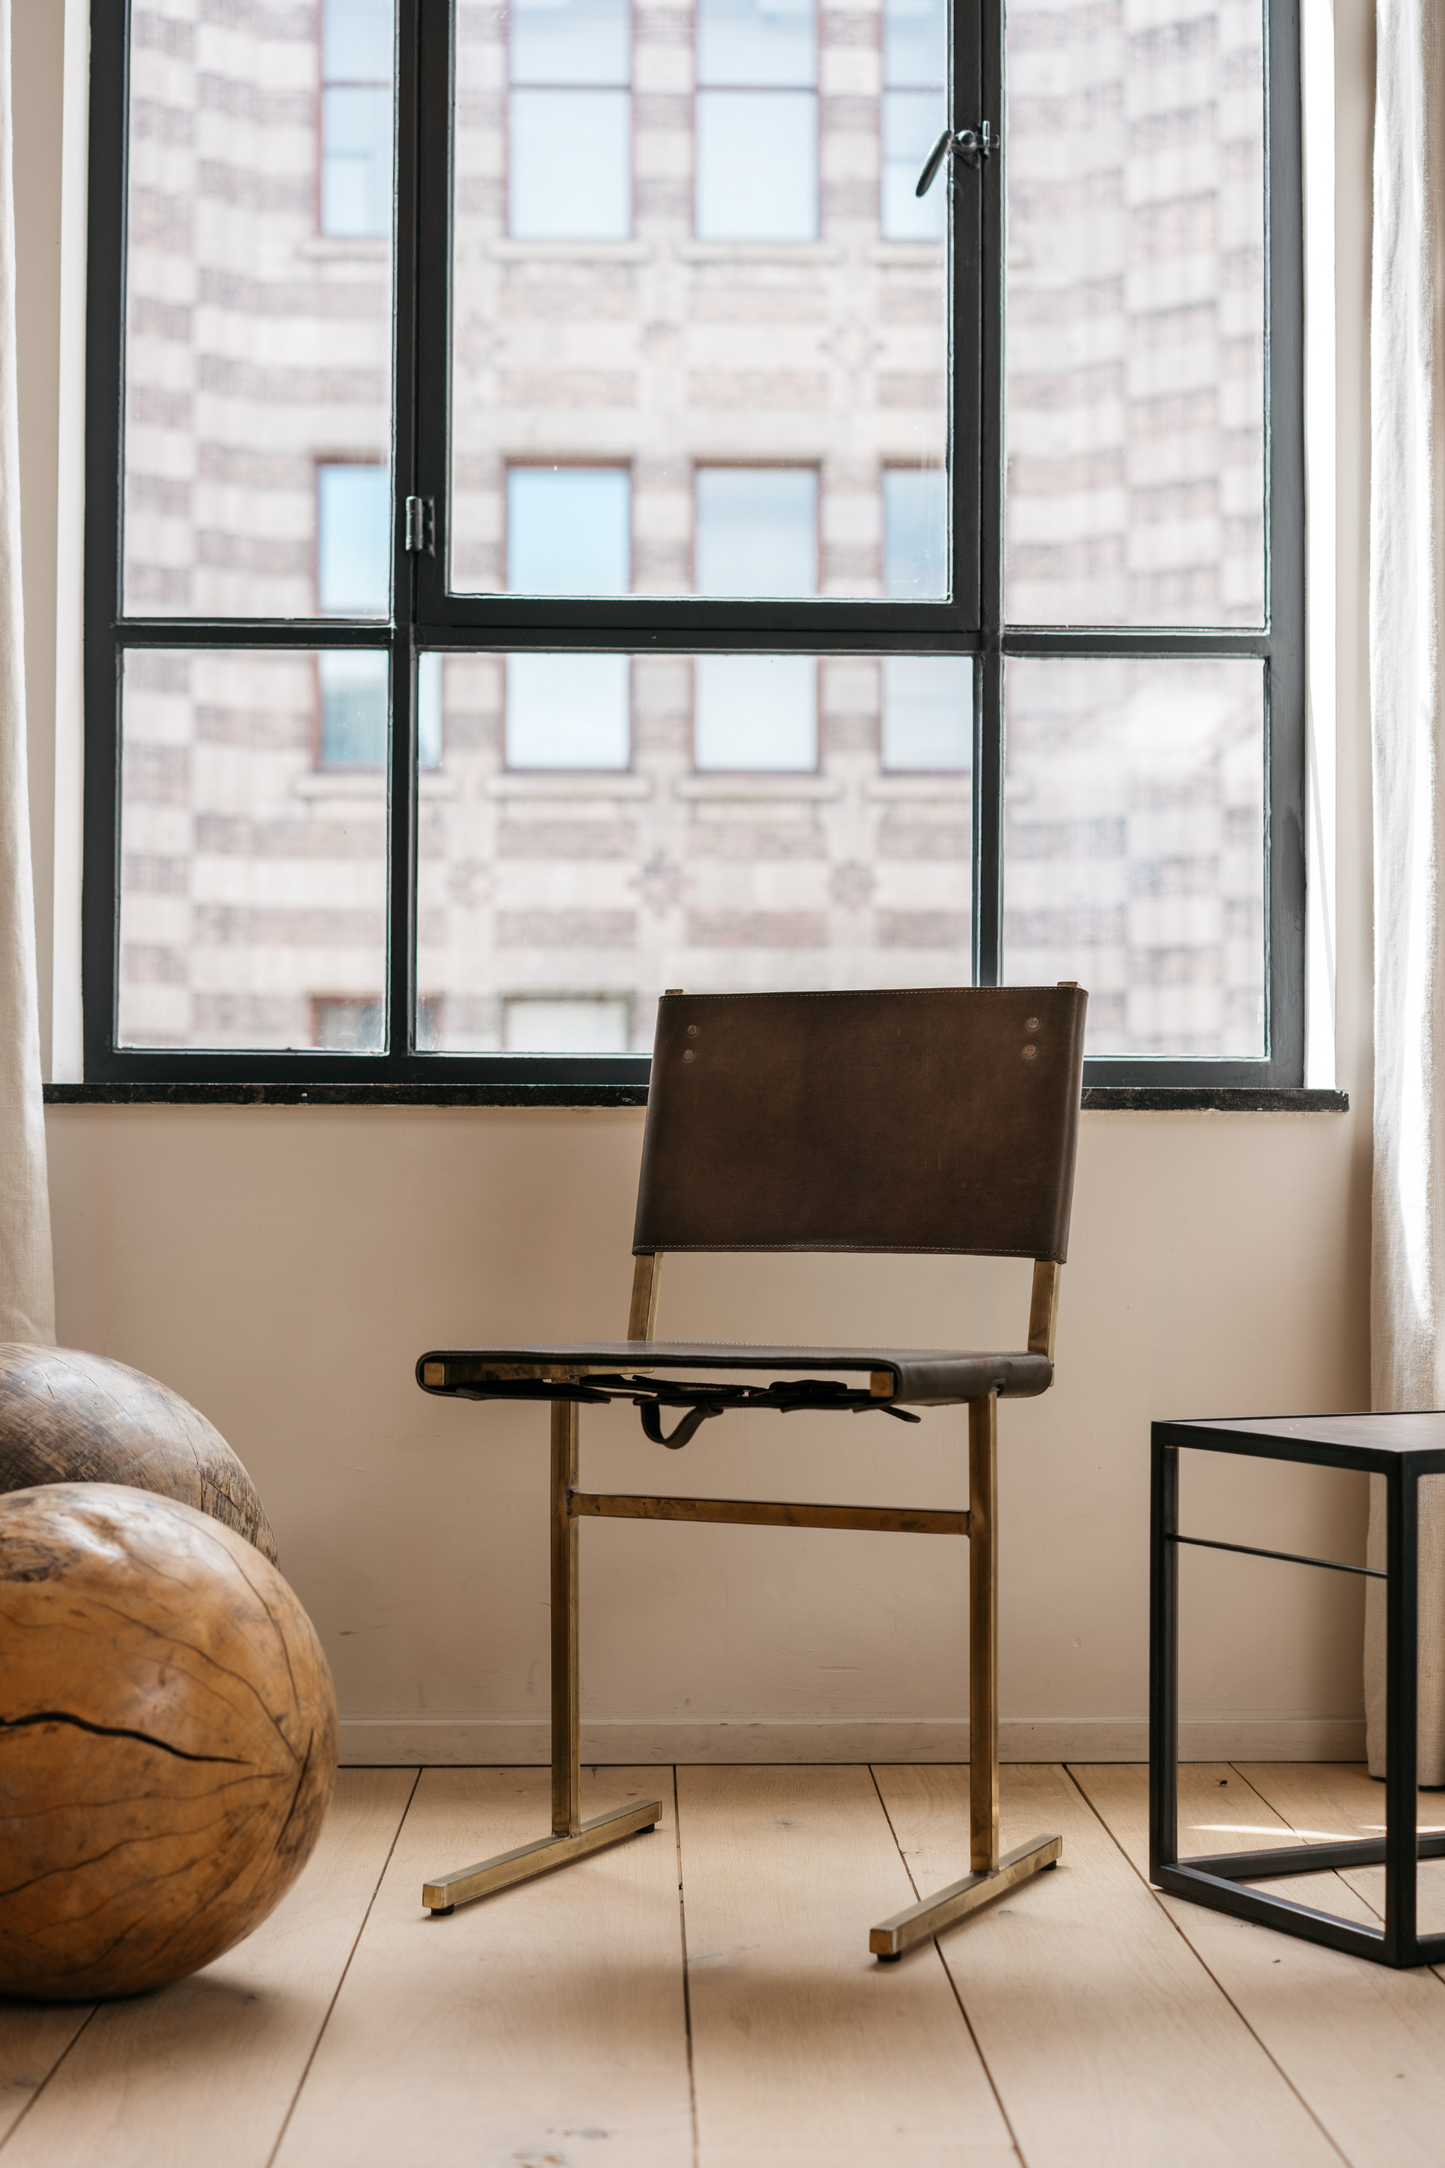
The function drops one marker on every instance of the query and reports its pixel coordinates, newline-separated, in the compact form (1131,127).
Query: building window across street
(567,518)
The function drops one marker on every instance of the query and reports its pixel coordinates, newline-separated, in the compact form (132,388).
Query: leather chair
(942,1121)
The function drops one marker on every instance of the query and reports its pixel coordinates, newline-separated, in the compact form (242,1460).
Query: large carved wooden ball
(66,1417)
(167,1740)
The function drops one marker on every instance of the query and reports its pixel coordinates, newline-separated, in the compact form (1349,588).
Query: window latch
(972,145)
(421,525)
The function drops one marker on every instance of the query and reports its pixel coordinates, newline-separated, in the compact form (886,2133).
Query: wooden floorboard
(1365,2045)
(32,2041)
(807,2053)
(204,2071)
(1341,1799)
(542,2025)
(1085,2019)
(1107,2039)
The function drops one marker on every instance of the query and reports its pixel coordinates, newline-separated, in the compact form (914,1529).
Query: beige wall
(284,1268)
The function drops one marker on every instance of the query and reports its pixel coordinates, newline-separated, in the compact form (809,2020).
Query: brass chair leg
(566,1651)
(983,1634)
(990,1876)
(571,1837)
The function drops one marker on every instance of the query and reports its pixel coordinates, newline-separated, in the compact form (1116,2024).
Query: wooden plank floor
(702,1997)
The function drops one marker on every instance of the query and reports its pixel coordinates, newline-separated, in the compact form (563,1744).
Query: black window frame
(425,616)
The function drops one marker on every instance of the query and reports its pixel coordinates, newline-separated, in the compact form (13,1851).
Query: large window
(567,519)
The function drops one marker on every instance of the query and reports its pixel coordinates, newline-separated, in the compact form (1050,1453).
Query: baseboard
(449,1742)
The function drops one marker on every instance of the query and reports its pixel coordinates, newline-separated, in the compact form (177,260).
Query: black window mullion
(1284,715)
(988,765)
(402,795)
(432,246)
(105,321)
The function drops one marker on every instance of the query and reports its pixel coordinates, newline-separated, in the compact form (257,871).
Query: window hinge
(972,145)
(421,525)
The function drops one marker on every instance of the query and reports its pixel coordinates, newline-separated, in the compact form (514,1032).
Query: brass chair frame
(990,1875)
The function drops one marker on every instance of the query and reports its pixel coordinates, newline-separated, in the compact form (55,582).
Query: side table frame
(1217,1880)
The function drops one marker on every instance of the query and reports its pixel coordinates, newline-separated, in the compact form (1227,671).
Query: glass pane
(579,1025)
(356,40)
(558,135)
(258,296)
(355,709)
(253,883)
(755,712)
(757,165)
(914,531)
(928,714)
(353,541)
(757,531)
(1134,848)
(567,711)
(356,161)
(571,41)
(429,711)
(1135,376)
(752,42)
(555,906)
(915,44)
(698,276)
(569,531)
(913,120)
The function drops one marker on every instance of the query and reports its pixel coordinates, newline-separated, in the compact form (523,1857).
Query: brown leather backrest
(944,1119)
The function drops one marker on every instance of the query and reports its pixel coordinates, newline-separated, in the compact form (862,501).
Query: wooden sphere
(66,1417)
(167,1740)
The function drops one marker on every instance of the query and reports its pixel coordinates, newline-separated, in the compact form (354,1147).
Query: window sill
(364,783)
(573,784)
(1098,1098)
(752,786)
(540,250)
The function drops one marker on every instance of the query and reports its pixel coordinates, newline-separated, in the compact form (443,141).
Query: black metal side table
(1401,1448)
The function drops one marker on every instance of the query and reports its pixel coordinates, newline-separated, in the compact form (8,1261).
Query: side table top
(1352,1441)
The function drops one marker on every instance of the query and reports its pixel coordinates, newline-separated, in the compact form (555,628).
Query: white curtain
(27,1289)
(1407,699)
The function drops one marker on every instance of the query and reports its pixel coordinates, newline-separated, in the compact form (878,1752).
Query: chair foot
(932,1914)
(441,1912)
(446,1891)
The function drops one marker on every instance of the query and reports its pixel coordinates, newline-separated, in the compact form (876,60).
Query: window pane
(915,44)
(353,541)
(356,40)
(756,711)
(915,533)
(569,531)
(354,709)
(567,711)
(1135,366)
(571,174)
(757,531)
(928,713)
(356,161)
(757,165)
(258,335)
(253,886)
(754,42)
(671,300)
(1134,848)
(429,711)
(913,120)
(348,1025)
(571,41)
(603,888)
(580,1025)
